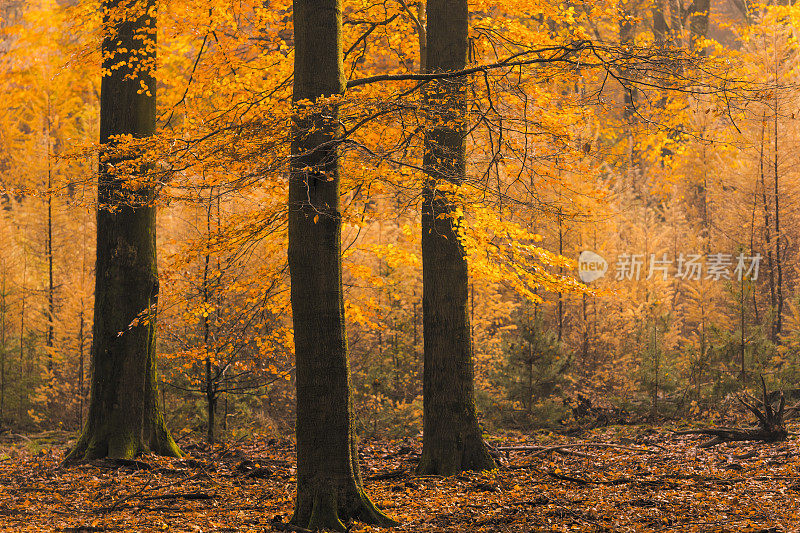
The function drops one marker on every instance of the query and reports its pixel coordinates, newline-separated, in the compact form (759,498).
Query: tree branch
(564,51)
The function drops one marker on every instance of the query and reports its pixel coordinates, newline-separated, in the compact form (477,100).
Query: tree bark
(452,439)
(211,381)
(699,13)
(22,365)
(329,486)
(768,232)
(49,251)
(630,113)
(660,27)
(777,218)
(3,311)
(124,417)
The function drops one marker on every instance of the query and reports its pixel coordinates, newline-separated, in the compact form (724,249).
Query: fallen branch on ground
(541,450)
(392,474)
(182,496)
(771,422)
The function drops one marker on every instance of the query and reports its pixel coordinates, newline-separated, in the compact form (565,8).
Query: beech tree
(564,114)
(124,417)
(329,487)
(452,439)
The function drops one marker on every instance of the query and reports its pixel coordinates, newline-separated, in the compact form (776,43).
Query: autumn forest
(399,265)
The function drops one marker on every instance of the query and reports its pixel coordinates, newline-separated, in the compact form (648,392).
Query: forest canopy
(659,141)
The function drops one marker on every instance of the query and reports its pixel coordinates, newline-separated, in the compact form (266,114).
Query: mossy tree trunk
(124,417)
(329,486)
(452,439)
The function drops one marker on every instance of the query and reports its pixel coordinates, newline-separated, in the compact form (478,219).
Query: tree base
(115,445)
(162,443)
(331,509)
(445,460)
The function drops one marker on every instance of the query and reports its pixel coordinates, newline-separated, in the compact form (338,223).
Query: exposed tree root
(446,456)
(101,443)
(334,504)
(771,422)
(331,509)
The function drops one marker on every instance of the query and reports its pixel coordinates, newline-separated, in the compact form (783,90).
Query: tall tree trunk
(452,439)
(22,374)
(778,236)
(660,27)
(630,113)
(742,336)
(699,12)
(51,307)
(329,486)
(560,307)
(124,418)
(49,341)
(80,367)
(211,382)
(767,232)
(676,23)
(81,336)
(3,310)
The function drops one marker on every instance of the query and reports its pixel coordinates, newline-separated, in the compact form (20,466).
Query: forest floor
(649,480)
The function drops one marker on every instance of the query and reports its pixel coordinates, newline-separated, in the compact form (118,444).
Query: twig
(285,526)
(540,450)
(392,474)
(189,83)
(182,495)
(87,529)
(508,62)
(120,501)
(117,503)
